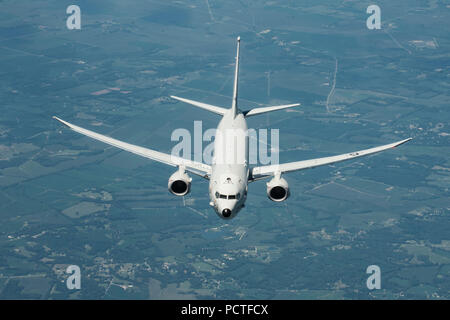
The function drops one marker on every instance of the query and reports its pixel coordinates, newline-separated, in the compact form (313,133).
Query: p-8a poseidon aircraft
(230,173)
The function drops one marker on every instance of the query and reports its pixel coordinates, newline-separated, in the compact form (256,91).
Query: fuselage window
(238,196)
(231,196)
(222,196)
(217,195)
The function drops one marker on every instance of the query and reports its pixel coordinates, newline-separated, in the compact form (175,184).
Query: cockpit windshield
(229,197)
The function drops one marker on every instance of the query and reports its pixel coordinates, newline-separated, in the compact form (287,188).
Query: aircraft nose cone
(226,213)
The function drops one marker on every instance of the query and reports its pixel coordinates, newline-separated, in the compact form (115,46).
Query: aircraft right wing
(197,168)
(267,171)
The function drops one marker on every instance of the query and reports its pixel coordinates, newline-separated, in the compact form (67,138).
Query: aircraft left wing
(267,171)
(194,167)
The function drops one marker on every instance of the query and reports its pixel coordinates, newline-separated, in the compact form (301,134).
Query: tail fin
(236,77)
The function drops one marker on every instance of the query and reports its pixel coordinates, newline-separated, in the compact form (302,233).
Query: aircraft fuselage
(230,171)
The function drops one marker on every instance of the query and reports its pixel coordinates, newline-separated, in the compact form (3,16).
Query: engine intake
(278,189)
(179,183)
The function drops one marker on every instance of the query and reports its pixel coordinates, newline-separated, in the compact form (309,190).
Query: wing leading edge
(266,171)
(197,168)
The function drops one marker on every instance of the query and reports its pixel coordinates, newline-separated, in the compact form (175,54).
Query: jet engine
(277,189)
(179,183)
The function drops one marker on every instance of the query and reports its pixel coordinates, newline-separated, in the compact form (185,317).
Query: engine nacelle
(278,189)
(179,183)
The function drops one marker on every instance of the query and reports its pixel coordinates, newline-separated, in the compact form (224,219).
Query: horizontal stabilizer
(254,112)
(218,110)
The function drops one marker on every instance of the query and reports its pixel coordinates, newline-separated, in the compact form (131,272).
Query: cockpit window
(229,197)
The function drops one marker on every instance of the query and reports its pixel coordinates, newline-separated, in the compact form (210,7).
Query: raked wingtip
(62,121)
(402,142)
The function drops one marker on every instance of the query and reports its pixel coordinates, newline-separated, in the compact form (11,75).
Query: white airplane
(230,173)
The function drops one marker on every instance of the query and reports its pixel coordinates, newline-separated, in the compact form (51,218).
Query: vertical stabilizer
(236,76)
